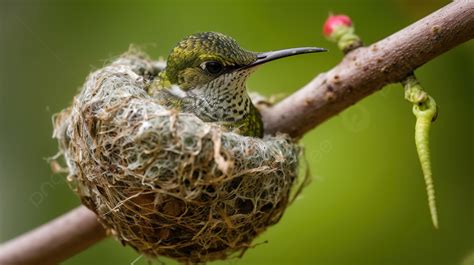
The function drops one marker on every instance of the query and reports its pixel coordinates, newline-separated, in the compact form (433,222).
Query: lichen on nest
(167,183)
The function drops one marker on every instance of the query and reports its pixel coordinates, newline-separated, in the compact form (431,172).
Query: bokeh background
(367,202)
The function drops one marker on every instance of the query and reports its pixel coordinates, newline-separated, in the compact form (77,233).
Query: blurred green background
(367,202)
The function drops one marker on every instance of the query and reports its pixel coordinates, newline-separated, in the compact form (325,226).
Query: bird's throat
(223,99)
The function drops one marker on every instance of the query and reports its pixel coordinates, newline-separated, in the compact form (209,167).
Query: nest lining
(167,183)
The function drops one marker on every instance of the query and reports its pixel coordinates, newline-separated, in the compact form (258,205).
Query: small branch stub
(339,29)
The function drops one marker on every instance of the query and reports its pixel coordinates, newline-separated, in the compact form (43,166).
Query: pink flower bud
(333,21)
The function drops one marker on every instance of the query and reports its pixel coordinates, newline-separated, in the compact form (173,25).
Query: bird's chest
(250,125)
(228,107)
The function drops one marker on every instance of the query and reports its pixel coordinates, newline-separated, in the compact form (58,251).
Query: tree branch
(55,241)
(360,73)
(368,69)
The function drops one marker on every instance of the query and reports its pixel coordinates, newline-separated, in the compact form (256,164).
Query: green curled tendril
(424,117)
(426,111)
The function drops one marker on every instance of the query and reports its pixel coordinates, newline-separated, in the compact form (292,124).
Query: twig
(361,72)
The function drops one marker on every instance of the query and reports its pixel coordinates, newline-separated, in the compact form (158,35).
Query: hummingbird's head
(200,58)
(205,59)
(208,71)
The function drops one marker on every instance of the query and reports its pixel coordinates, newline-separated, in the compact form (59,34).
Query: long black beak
(265,57)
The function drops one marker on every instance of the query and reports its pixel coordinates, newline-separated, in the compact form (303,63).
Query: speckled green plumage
(186,86)
(250,125)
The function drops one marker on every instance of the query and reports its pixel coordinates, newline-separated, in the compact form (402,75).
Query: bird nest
(167,183)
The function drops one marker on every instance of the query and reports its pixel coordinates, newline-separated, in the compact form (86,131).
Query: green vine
(425,111)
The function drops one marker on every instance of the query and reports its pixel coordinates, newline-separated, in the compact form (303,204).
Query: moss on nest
(166,183)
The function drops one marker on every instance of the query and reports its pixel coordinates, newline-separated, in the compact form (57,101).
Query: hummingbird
(206,75)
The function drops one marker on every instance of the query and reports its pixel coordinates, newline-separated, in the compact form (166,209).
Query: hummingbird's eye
(212,67)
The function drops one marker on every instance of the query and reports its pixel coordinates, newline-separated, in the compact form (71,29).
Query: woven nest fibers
(167,183)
